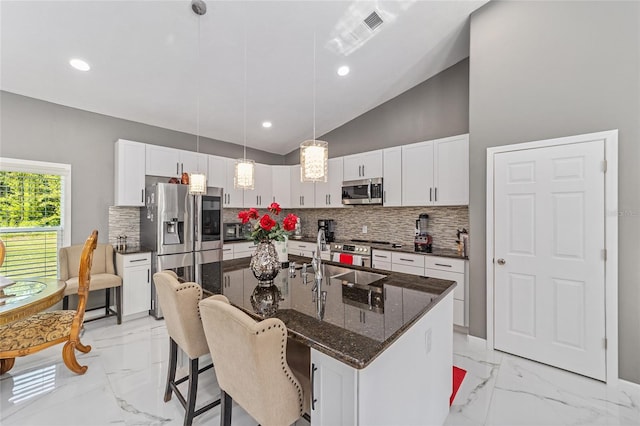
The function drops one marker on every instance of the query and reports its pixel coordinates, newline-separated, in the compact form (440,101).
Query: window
(34,219)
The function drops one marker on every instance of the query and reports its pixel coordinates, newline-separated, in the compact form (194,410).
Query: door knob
(501,261)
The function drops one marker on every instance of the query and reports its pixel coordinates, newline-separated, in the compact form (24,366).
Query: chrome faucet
(319,296)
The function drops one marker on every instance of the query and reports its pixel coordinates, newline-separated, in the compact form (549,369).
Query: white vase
(281,249)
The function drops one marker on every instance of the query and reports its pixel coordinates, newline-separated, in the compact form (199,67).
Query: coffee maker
(329,227)
(422,241)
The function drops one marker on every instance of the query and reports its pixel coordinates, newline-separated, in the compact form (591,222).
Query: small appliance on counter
(297,232)
(236,231)
(422,241)
(329,227)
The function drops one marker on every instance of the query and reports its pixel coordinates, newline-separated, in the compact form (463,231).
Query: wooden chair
(3,250)
(251,365)
(45,329)
(179,303)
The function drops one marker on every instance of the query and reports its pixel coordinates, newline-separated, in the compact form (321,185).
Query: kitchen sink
(358,278)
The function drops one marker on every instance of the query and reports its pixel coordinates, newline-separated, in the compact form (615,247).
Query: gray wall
(549,69)
(36,130)
(435,108)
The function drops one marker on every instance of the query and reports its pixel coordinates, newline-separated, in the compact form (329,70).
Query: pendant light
(314,154)
(198,181)
(244,176)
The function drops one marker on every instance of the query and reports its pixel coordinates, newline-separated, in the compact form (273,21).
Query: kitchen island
(382,352)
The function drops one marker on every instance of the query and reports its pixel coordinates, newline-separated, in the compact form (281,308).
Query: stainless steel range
(351,253)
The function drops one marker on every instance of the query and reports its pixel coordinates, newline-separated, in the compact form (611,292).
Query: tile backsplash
(393,224)
(124,221)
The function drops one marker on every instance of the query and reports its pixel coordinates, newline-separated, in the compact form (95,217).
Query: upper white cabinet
(302,193)
(329,193)
(217,172)
(261,194)
(193,162)
(436,172)
(392,176)
(232,197)
(129,173)
(281,185)
(171,162)
(363,166)
(451,170)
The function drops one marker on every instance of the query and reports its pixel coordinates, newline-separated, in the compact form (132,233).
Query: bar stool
(251,364)
(179,303)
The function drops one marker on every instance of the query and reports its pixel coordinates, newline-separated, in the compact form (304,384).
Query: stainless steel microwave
(363,191)
(235,231)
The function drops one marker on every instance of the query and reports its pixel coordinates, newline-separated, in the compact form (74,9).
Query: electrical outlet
(364,229)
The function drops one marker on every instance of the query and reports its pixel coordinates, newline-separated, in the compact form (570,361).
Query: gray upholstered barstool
(179,303)
(251,364)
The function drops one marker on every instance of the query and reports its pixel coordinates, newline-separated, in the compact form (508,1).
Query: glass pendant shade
(244,174)
(197,183)
(314,160)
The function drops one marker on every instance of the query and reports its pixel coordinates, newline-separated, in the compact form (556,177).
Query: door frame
(610,138)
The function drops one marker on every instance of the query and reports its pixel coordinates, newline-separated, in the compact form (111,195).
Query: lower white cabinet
(454,270)
(334,387)
(301,248)
(407,263)
(135,271)
(238,250)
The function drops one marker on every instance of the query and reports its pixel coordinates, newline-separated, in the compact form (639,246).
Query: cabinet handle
(435,191)
(364,317)
(363,170)
(384,293)
(148,275)
(229,198)
(177,168)
(313,389)
(380,256)
(442,264)
(303,200)
(407,260)
(384,196)
(257,200)
(138,260)
(329,199)
(142,195)
(430,190)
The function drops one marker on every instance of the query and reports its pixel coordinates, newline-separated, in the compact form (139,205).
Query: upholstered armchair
(103,277)
(251,364)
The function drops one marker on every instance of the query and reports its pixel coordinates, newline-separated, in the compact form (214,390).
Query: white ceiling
(146,68)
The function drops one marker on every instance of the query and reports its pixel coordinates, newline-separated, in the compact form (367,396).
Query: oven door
(351,259)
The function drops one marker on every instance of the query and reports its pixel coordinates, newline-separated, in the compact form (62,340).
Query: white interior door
(549,288)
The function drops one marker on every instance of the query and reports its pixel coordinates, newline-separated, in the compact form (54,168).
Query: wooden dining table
(27,296)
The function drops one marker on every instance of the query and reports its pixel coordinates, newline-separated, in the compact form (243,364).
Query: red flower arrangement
(265,227)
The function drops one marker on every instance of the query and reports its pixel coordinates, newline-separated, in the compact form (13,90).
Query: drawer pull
(442,264)
(138,260)
(407,260)
(380,256)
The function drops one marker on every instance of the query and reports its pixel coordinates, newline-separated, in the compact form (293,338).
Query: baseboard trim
(629,386)
(477,341)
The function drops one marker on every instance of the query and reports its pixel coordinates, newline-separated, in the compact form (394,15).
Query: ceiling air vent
(373,21)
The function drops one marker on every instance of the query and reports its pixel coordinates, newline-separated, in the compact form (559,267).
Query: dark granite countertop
(390,306)
(131,250)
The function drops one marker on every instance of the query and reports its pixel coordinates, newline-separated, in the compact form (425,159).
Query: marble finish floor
(127,369)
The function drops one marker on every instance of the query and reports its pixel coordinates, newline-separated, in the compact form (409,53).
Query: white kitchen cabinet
(261,194)
(363,166)
(329,194)
(392,176)
(381,259)
(227,252)
(171,162)
(243,249)
(334,393)
(232,197)
(417,174)
(302,193)
(217,172)
(301,248)
(454,270)
(407,263)
(129,173)
(436,172)
(281,185)
(135,271)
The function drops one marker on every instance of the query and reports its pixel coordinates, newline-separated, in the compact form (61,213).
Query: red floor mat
(458,376)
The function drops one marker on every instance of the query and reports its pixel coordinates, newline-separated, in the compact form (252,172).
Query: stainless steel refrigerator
(184,233)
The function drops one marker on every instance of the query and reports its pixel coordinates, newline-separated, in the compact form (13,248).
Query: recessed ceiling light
(79,64)
(266,124)
(343,70)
